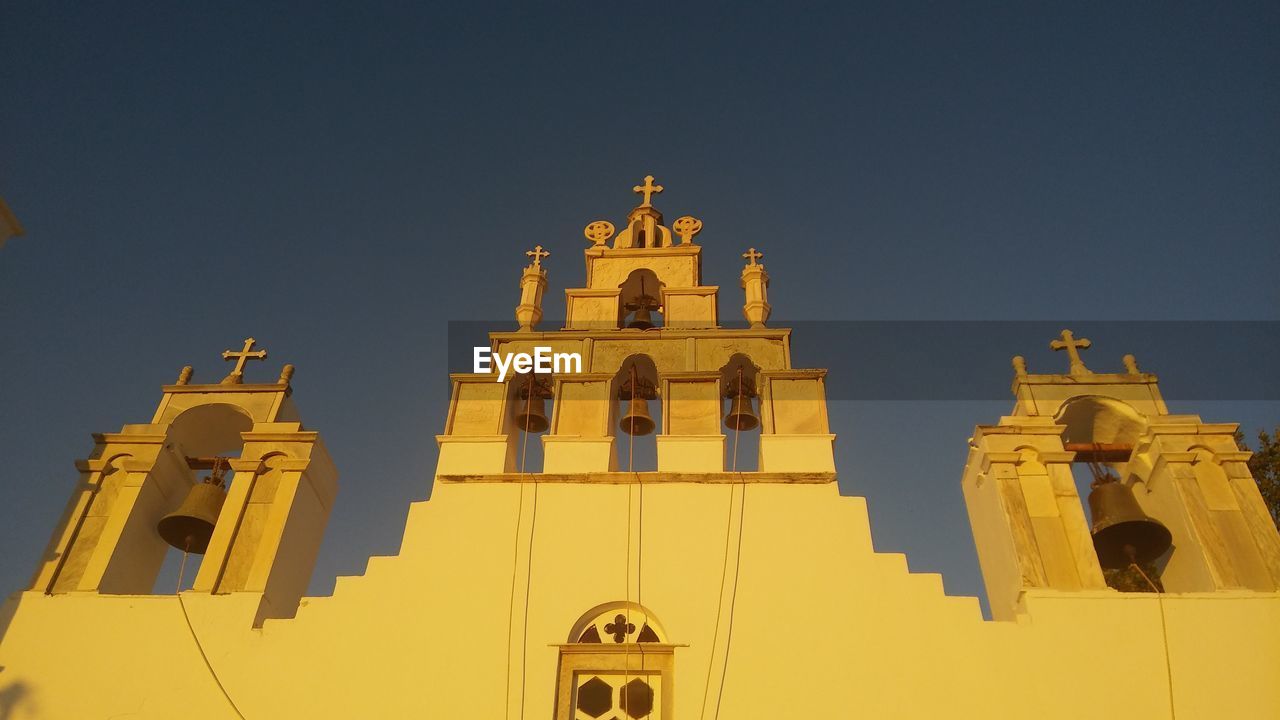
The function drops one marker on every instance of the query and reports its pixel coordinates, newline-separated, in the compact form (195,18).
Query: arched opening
(739,381)
(601,624)
(530,405)
(1132,547)
(210,430)
(640,304)
(1094,420)
(209,437)
(637,414)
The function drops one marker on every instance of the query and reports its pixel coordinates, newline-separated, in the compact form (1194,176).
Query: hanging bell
(1122,533)
(642,319)
(637,420)
(531,414)
(740,416)
(190,526)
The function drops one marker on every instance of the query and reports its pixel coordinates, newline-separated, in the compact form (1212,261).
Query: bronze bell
(531,414)
(637,420)
(1122,533)
(642,319)
(740,416)
(190,526)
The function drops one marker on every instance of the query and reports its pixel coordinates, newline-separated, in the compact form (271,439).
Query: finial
(1131,364)
(1073,347)
(1019,366)
(236,376)
(184,376)
(599,232)
(286,374)
(537,253)
(648,190)
(687,227)
(752,256)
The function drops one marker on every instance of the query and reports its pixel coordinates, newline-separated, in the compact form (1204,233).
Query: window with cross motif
(617,665)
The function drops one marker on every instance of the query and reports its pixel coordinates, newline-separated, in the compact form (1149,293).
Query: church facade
(589,590)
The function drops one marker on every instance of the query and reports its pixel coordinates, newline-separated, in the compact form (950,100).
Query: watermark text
(541,362)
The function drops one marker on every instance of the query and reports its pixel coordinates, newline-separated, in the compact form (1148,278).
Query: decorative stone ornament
(532,284)
(755,284)
(687,228)
(599,232)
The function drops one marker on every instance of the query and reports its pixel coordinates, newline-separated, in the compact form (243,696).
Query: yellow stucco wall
(822,626)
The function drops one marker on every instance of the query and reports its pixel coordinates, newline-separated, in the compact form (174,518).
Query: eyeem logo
(541,362)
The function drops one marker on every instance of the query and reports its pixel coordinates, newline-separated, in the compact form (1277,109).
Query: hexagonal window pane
(595,697)
(637,698)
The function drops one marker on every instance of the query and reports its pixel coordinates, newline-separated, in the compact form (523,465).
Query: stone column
(271,526)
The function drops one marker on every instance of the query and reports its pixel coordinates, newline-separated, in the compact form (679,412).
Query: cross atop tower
(752,256)
(236,376)
(1073,347)
(648,190)
(537,253)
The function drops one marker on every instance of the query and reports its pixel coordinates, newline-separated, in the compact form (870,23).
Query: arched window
(616,664)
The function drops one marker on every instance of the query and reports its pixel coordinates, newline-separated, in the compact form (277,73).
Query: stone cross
(648,190)
(237,373)
(537,253)
(752,256)
(1073,347)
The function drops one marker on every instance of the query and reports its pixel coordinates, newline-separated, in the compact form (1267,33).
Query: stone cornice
(616,478)
(256,388)
(630,334)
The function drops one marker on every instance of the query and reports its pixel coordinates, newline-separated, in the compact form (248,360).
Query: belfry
(703,584)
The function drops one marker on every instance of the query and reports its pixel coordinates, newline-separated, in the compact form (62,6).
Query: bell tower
(257,518)
(655,361)
(647,330)
(1169,491)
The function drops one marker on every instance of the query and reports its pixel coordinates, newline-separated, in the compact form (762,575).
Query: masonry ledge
(615,478)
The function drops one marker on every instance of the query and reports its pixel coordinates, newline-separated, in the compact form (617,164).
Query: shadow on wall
(7,611)
(14,697)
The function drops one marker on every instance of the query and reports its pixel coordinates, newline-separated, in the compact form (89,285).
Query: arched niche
(640,367)
(519,388)
(750,372)
(1092,419)
(641,288)
(210,430)
(526,448)
(740,392)
(637,452)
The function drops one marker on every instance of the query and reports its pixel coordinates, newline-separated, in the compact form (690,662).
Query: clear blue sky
(340,184)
